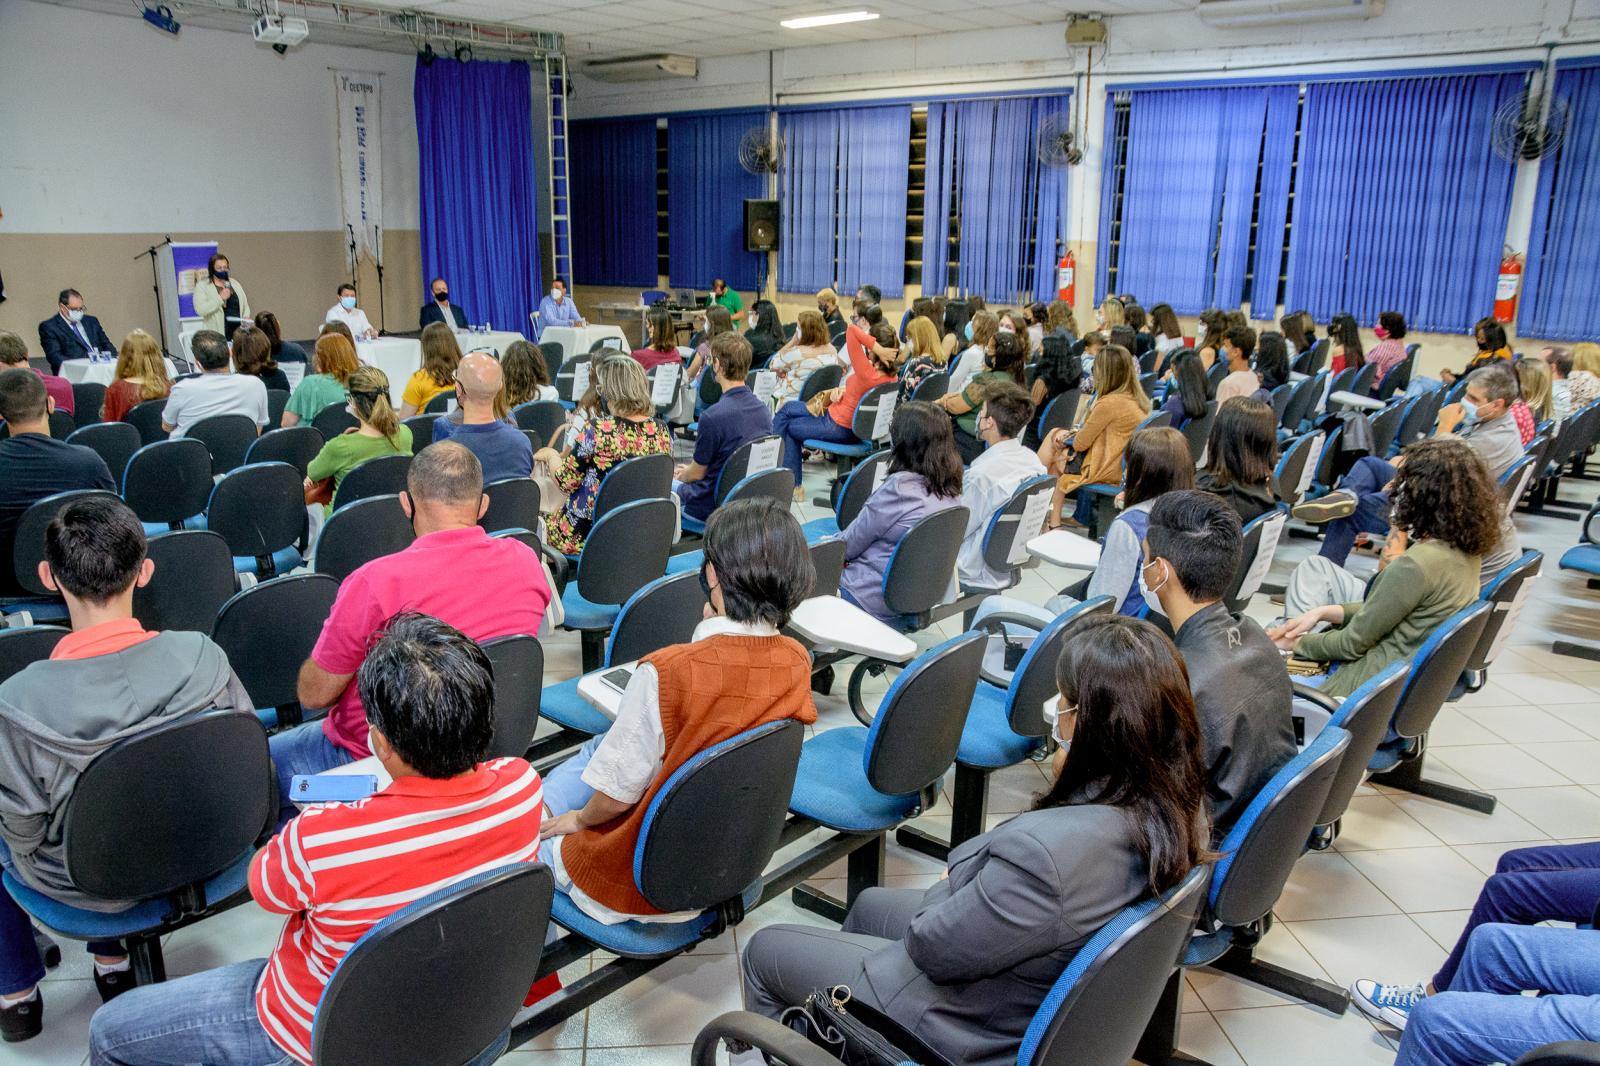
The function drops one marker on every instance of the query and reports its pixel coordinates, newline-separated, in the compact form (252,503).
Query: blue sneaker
(1389,1004)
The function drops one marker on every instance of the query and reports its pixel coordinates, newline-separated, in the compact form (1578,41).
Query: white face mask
(556,294)
(347,302)
(1149,592)
(75,316)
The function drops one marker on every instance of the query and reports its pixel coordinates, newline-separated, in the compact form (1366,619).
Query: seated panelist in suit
(441,309)
(70,333)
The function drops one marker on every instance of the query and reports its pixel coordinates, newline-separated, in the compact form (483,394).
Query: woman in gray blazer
(966,964)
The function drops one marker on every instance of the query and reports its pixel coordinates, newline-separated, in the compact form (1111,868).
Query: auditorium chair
(624,551)
(1059,412)
(554,356)
(1422,415)
(88,397)
(1099,501)
(1583,558)
(296,445)
(146,418)
(115,442)
(517,663)
(1398,379)
(260,511)
(735,469)
(1279,399)
(1257,857)
(1506,594)
(23,645)
(168,484)
(440,404)
(1197,431)
(565,378)
(334,419)
(870,430)
(227,438)
(932,387)
(513,504)
(864,479)
(1292,476)
(267,631)
(479,940)
(37,603)
(1514,480)
(1300,406)
(194,577)
(1564,1053)
(421,427)
(1093,1015)
(1386,426)
(359,533)
(1364,714)
(740,787)
(774,483)
(384,475)
(542,418)
(821,380)
(1005,725)
(1005,543)
(1259,538)
(1151,385)
(1218,371)
(166,820)
(277,400)
(646,477)
(1310,361)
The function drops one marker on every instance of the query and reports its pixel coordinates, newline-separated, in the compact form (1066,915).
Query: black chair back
(1059,412)
(1437,667)
(480,938)
(1156,420)
(168,481)
(663,613)
(542,418)
(1148,383)
(1218,371)
(827,558)
(27,550)
(421,427)
(1385,425)
(440,404)
(1399,378)
(1312,360)
(518,663)
(1292,464)
(25,645)
(1563,1053)
(626,550)
(268,631)
(648,477)
(361,532)
(932,387)
(1507,593)
(227,438)
(916,732)
(87,399)
(170,807)
(334,419)
(776,484)
(62,425)
(1005,536)
(737,467)
(513,504)
(1280,401)
(864,479)
(566,378)
(1034,681)
(1327,470)
(382,476)
(193,579)
(1361,384)
(1301,401)
(146,418)
(115,442)
(743,784)
(917,578)
(1365,715)
(554,356)
(865,420)
(821,380)
(277,400)
(1197,431)
(1260,535)
(258,509)
(297,446)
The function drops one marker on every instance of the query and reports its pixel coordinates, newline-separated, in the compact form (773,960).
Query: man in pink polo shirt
(453,571)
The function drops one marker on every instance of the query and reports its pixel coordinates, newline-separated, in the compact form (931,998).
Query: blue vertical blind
(613,163)
(842,191)
(1561,293)
(476,184)
(1193,157)
(1400,201)
(982,161)
(706,190)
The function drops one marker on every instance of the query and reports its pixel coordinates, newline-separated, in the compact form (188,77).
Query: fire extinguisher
(1505,291)
(1067,277)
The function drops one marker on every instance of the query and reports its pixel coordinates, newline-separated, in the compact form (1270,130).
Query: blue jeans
(564,789)
(305,749)
(21,965)
(1557,883)
(205,1018)
(1366,480)
(796,425)
(1485,1019)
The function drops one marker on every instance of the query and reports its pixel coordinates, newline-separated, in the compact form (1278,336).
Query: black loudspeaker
(761,225)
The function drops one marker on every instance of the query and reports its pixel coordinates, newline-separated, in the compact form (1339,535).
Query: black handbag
(856,1034)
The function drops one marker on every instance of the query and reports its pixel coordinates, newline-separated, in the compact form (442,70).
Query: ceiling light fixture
(812,21)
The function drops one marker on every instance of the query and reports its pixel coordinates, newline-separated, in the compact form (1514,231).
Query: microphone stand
(352,230)
(155,285)
(377,232)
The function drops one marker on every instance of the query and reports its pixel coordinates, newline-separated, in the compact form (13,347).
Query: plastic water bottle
(488,327)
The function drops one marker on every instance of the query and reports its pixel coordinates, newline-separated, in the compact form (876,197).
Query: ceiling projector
(280,32)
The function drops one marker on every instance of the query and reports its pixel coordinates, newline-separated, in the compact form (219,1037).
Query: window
(1288,219)
(661,198)
(1117,175)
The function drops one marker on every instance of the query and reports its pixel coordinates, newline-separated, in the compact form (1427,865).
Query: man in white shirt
(994,476)
(216,391)
(346,311)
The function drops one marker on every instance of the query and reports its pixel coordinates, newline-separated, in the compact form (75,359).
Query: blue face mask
(1469,410)
(968,331)
(347,302)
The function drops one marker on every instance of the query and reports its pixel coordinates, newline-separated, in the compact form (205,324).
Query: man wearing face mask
(71,333)
(346,311)
(1242,693)
(828,307)
(557,309)
(445,573)
(440,309)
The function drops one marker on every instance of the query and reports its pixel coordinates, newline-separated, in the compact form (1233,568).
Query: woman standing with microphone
(219,300)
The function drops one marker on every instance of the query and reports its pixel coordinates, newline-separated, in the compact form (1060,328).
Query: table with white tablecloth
(400,357)
(576,340)
(104,372)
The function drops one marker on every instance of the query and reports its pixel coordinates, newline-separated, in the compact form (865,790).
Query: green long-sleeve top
(1412,595)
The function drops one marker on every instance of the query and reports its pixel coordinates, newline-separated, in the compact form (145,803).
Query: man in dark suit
(71,334)
(441,309)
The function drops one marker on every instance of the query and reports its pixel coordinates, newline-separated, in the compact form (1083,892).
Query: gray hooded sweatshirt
(57,715)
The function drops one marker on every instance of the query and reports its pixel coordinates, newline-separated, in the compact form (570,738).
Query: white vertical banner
(360,157)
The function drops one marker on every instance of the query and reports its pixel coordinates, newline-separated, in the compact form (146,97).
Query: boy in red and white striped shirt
(338,870)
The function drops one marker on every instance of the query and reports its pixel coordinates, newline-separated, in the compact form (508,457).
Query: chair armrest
(1316,696)
(997,622)
(1355,399)
(559,568)
(781,1043)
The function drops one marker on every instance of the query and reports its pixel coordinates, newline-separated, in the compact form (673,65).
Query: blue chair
(1059,412)
(1435,670)
(1506,594)
(167,821)
(22,646)
(1287,476)
(37,602)
(1259,538)
(267,632)
(360,532)
(624,551)
(260,511)
(1513,482)
(863,424)
(862,782)
(1422,414)
(1004,727)
(775,484)
(480,939)
(850,497)
(648,477)
(1364,714)
(1583,558)
(741,785)
(168,484)
(662,613)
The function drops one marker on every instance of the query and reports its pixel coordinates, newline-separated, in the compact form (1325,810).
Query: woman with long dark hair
(924,478)
(1240,456)
(765,333)
(1272,361)
(1214,324)
(440,357)
(1344,342)
(966,964)
(1299,330)
(663,346)
(282,351)
(1189,390)
(1492,348)
(1164,325)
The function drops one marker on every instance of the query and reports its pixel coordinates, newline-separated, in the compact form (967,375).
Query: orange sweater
(710,690)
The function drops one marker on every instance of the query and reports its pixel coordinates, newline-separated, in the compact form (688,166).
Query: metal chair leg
(1408,778)
(863,870)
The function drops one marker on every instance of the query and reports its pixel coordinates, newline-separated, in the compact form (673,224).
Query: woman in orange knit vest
(738,672)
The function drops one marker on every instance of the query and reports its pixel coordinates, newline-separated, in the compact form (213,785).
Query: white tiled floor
(1387,901)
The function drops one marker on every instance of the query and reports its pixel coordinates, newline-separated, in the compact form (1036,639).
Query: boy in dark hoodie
(106,681)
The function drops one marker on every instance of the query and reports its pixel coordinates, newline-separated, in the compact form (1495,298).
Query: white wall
(108,125)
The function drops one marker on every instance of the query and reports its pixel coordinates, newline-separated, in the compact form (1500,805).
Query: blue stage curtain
(1010,204)
(706,190)
(1277,171)
(1394,212)
(1561,289)
(613,165)
(842,192)
(477,186)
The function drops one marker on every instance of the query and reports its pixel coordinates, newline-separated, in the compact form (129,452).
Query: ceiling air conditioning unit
(1230,14)
(643,68)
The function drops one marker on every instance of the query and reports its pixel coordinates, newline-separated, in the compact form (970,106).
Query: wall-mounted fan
(760,152)
(1529,126)
(1056,144)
